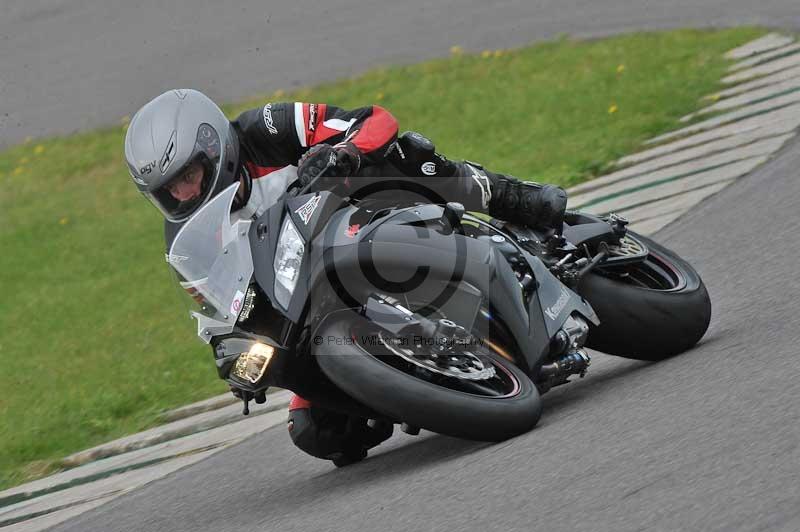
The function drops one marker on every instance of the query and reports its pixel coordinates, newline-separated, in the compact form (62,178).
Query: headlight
(252,365)
(288,259)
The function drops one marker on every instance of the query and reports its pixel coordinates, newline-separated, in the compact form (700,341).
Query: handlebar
(294,192)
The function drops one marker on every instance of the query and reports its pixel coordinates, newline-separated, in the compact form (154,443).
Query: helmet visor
(193,183)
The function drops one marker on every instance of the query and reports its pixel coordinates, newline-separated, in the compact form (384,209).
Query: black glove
(341,160)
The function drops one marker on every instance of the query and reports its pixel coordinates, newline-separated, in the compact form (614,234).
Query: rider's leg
(510,199)
(330,435)
(499,195)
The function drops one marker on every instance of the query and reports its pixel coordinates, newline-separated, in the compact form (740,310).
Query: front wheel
(648,310)
(481,396)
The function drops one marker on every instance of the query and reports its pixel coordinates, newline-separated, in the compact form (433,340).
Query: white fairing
(211,254)
(266,191)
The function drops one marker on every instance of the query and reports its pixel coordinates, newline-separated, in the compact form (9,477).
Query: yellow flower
(39,149)
(379,96)
(456,50)
(714,97)
(63,221)
(18,170)
(486,53)
(279,93)
(498,53)
(613,109)
(620,69)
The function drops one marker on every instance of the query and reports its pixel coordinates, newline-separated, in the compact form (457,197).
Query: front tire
(405,397)
(654,310)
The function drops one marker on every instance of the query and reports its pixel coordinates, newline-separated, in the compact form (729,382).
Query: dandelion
(498,53)
(486,54)
(456,50)
(714,97)
(613,109)
(18,170)
(620,69)
(379,96)
(39,149)
(63,221)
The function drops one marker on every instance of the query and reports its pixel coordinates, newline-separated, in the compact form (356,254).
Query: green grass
(94,341)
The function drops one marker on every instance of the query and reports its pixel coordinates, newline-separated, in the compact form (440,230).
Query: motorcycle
(423,314)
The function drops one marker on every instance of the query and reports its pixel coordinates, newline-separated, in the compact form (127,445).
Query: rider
(181,151)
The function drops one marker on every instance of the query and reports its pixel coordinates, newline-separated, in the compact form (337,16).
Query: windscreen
(211,256)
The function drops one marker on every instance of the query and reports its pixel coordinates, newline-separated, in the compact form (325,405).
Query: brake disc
(628,247)
(460,365)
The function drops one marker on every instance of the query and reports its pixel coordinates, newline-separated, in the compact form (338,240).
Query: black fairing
(591,233)
(264,234)
(352,253)
(407,253)
(309,227)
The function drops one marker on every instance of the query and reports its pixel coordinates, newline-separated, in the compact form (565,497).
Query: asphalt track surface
(68,65)
(705,441)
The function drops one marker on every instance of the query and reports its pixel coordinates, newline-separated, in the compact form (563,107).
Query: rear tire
(648,323)
(406,398)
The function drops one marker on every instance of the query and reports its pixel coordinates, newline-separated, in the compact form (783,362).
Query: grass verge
(95,343)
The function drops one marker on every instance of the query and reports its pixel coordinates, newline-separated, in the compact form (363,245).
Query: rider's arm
(370,129)
(282,132)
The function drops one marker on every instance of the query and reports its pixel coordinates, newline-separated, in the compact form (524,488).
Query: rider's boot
(512,200)
(333,436)
(527,203)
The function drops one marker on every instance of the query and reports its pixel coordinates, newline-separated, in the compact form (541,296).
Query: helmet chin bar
(245,188)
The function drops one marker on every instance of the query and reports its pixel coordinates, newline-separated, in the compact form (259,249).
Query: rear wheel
(648,310)
(471,393)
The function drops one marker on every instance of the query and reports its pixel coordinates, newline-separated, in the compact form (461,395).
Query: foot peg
(557,373)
